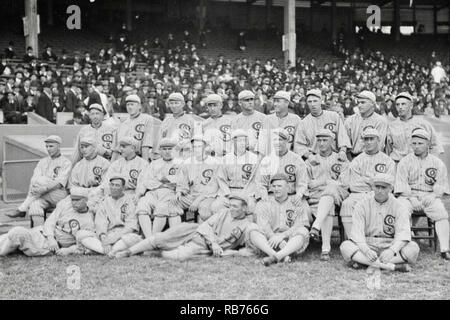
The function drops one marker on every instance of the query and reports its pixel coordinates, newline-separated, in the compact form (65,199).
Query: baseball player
(305,143)
(381,233)
(48,183)
(155,188)
(217,128)
(283,161)
(282,222)
(180,127)
(421,182)
(361,171)
(223,232)
(140,126)
(282,118)
(130,165)
(197,186)
(237,172)
(116,223)
(253,121)
(327,189)
(105,135)
(398,142)
(59,232)
(366,118)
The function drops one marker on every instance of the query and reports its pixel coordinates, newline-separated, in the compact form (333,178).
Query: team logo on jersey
(172,171)
(71,227)
(256,126)
(330,126)
(185,130)
(388,227)
(336,168)
(290,218)
(123,211)
(247,169)
(368,127)
(133,176)
(207,174)
(56,172)
(139,131)
(290,170)
(430,176)
(107,140)
(97,171)
(225,129)
(380,167)
(291,131)
(235,235)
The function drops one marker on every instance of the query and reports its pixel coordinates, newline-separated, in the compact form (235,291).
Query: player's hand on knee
(52,244)
(107,249)
(371,255)
(217,250)
(275,240)
(387,255)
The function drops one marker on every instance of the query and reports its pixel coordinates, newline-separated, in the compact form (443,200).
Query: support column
(333,20)
(289,32)
(396,20)
(31,34)
(435,20)
(311,16)
(50,12)
(414,17)
(129,13)
(269,4)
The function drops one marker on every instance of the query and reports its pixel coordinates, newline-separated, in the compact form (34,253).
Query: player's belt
(289,193)
(236,187)
(415,189)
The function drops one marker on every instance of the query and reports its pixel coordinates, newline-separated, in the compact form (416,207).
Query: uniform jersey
(227,232)
(399,137)
(65,222)
(218,132)
(305,136)
(178,128)
(150,178)
(57,169)
(290,123)
(277,217)
(142,128)
(116,213)
(415,175)
(105,136)
(198,177)
(256,125)
(376,223)
(356,124)
(329,168)
(367,166)
(130,169)
(88,173)
(290,164)
(235,172)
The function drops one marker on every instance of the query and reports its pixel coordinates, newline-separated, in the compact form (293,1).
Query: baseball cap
(53,138)
(88,140)
(175,96)
(97,106)
(213,98)
(370,132)
(282,133)
(117,177)
(166,142)
(78,193)
(239,133)
(405,95)
(133,98)
(383,178)
(282,95)
(128,141)
(279,176)
(366,94)
(199,137)
(314,92)
(127,88)
(421,133)
(245,94)
(325,133)
(238,197)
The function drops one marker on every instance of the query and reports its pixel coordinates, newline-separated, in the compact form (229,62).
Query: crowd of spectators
(153,69)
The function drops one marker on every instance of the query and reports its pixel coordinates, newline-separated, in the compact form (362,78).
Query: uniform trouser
(348,205)
(408,253)
(158,203)
(31,242)
(37,205)
(130,239)
(436,211)
(204,207)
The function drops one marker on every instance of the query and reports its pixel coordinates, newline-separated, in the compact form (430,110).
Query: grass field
(144,277)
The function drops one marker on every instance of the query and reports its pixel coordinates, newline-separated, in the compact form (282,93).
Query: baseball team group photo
(190,150)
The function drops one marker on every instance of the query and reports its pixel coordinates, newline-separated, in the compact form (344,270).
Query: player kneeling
(116,223)
(381,233)
(59,232)
(283,224)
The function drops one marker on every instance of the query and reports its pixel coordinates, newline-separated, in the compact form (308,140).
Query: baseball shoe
(122,254)
(16,214)
(282,244)
(445,255)
(314,234)
(267,261)
(287,259)
(402,267)
(325,256)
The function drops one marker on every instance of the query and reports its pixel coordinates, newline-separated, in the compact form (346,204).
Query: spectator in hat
(72,99)
(48,54)
(29,56)
(9,51)
(44,106)
(12,110)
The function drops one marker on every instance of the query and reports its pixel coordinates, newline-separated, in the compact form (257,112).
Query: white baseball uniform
(218,133)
